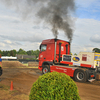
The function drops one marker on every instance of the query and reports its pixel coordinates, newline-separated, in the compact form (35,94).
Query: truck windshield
(43,47)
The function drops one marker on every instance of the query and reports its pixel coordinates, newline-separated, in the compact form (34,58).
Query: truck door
(42,54)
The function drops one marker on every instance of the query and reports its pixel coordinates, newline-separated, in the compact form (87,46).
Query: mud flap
(91,75)
(98,70)
(98,76)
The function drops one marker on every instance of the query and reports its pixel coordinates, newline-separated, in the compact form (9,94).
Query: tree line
(30,52)
(20,51)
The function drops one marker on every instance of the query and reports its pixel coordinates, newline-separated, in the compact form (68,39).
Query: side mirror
(40,47)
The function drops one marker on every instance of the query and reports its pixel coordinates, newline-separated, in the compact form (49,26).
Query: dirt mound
(31,64)
(12,64)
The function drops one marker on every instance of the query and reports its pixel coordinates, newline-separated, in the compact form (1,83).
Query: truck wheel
(45,69)
(80,76)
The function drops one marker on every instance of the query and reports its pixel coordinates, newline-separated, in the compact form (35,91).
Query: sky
(20,31)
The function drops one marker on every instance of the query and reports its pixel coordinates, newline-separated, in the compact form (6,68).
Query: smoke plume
(57,13)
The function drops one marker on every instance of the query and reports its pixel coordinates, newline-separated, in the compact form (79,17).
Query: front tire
(45,69)
(80,75)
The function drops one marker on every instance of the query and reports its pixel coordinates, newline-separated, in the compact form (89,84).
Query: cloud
(84,36)
(88,9)
(16,33)
(10,45)
(34,38)
(2,44)
(95,38)
(9,18)
(87,27)
(88,45)
(11,42)
(8,41)
(85,3)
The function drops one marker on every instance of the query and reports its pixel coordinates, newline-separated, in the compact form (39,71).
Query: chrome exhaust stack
(55,50)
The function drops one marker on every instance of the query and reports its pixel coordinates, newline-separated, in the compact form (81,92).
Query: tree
(11,53)
(1,52)
(30,52)
(75,54)
(21,51)
(36,53)
(15,52)
(8,54)
(5,53)
(96,50)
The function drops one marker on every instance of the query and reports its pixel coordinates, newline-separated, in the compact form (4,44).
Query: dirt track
(23,78)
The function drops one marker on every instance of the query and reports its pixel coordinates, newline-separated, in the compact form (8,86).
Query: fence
(21,60)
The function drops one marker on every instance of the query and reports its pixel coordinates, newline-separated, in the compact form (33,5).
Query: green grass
(30,66)
(26,64)
(4,87)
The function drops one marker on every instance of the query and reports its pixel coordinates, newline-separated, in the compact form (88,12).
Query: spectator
(0,66)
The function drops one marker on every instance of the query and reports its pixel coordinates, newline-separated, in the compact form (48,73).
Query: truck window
(43,47)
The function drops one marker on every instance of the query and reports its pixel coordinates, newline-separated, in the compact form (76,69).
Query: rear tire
(45,69)
(80,75)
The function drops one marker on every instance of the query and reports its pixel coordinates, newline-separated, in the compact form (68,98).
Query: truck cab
(51,51)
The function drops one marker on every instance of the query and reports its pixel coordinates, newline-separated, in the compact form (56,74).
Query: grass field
(30,66)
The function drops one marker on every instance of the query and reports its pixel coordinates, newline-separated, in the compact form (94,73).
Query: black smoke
(57,13)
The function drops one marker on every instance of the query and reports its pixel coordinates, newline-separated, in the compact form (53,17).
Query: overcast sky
(20,31)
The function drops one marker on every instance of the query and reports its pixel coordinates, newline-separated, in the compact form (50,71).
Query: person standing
(0,66)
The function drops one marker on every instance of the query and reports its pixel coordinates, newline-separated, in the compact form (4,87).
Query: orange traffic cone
(11,86)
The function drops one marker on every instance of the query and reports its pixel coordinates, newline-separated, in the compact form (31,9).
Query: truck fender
(47,63)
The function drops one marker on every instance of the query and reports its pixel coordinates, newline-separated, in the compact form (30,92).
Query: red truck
(55,56)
